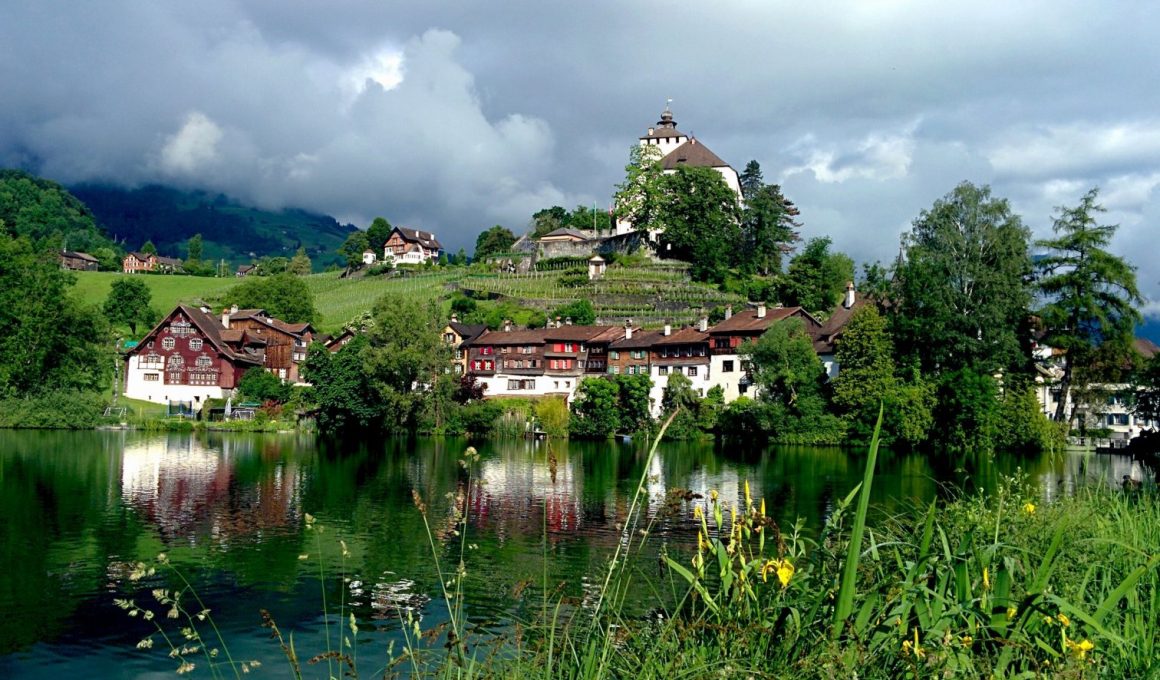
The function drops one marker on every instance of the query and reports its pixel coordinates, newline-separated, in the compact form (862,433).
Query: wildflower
(967,640)
(1011,612)
(1080,649)
(1047,619)
(783,568)
(185,667)
(147,643)
(763,507)
(986,579)
(309,520)
(1029,508)
(345,551)
(697,514)
(713,495)
(1063,620)
(748,498)
(913,647)
(304,556)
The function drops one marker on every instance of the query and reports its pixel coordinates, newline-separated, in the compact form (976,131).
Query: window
(476,365)
(614,355)
(150,360)
(727,366)
(201,378)
(676,369)
(449,338)
(458,354)
(150,345)
(282,373)
(151,377)
(637,354)
(521,384)
(526,349)
(506,350)
(616,370)
(692,370)
(176,361)
(662,370)
(487,350)
(168,343)
(700,350)
(180,327)
(488,366)
(195,344)
(721,343)
(1117,419)
(204,362)
(596,350)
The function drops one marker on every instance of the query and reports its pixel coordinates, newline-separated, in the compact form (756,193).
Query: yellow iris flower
(783,568)
(1080,649)
(1029,508)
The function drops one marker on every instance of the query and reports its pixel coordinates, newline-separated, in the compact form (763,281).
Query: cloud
(193,147)
(879,156)
(1076,148)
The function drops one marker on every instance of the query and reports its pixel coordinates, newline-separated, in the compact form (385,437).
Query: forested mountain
(47,214)
(169,217)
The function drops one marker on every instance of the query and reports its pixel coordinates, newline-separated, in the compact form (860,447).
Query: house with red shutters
(411,246)
(136,262)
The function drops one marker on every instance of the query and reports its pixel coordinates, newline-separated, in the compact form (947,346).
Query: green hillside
(231,231)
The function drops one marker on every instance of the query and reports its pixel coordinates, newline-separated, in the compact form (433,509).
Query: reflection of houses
(82,262)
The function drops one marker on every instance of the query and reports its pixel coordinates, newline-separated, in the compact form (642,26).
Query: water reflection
(80,507)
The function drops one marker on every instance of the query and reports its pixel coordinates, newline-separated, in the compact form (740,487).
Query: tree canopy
(41,210)
(493,241)
(699,217)
(377,234)
(817,278)
(129,303)
(284,296)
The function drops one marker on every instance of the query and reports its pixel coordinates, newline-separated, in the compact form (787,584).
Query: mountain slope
(231,231)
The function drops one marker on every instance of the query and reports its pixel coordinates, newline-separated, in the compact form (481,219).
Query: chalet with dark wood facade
(285,343)
(411,246)
(81,262)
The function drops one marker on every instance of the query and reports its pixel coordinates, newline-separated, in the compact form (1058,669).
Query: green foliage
(552,416)
(967,415)
(341,392)
(744,419)
(300,264)
(404,355)
(595,412)
(261,385)
(548,220)
(284,296)
(1024,427)
(352,249)
(493,241)
(193,250)
(378,234)
(576,278)
(634,402)
(769,228)
(1090,298)
(817,278)
(791,379)
(148,248)
(963,291)
(50,341)
(580,312)
(1147,382)
(129,304)
(679,394)
(640,197)
(53,410)
(45,213)
(700,218)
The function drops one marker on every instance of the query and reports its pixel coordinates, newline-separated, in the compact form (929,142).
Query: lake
(230,511)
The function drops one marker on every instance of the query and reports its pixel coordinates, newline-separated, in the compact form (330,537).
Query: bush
(261,385)
(576,278)
(552,416)
(56,410)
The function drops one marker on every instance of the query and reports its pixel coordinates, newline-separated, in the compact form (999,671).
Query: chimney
(849,301)
(226,317)
(558,322)
(728,311)
(628,329)
(703,324)
(507,325)
(761,310)
(668,329)
(651,130)
(568,321)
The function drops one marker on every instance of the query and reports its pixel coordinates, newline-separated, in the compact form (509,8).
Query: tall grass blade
(854,552)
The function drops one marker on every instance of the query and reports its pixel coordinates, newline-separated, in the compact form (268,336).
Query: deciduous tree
(496,240)
(700,221)
(595,412)
(377,235)
(129,303)
(817,278)
(300,264)
(284,296)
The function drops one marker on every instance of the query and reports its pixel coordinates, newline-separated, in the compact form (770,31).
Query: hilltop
(231,231)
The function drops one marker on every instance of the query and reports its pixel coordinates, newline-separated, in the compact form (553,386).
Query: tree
(261,385)
(639,197)
(377,234)
(581,312)
(817,278)
(50,340)
(699,219)
(1147,382)
(548,220)
(129,303)
(595,413)
(493,241)
(769,227)
(42,211)
(790,378)
(353,248)
(588,218)
(634,401)
(194,251)
(300,264)
(1090,298)
(405,355)
(751,180)
(148,248)
(963,291)
(340,388)
(284,296)
(679,394)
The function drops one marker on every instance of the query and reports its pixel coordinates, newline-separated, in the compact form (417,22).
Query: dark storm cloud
(457,115)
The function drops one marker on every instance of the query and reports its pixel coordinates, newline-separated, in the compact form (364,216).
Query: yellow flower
(783,568)
(763,507)
(986,579)
(713,495)
(1048,620)
(1029,508)
(748,498)
(1063,620)
(1080,649)
(696,512)
(913,647)
(967,640)
(1011,612)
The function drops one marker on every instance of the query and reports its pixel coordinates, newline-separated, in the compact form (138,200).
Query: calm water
(79,508)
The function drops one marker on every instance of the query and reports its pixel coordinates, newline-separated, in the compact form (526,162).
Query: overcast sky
(454,116)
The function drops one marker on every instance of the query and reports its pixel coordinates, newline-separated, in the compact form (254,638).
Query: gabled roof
(692,154)
(171,261)
(639,340)
(574,333)
(565,231)
(79,256)
(423,238)
(1146,347)
(826,339)
(144,257)
(530,337)
(685,336)
(467,331)
(208,326)
(746,320)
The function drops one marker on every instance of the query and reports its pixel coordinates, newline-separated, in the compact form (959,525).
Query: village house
(189,357)
(136,262)
(684,352)
(727,338)
(828,337)
(456,335)
(412,246)
(245,270)
(285,343)
(81,262)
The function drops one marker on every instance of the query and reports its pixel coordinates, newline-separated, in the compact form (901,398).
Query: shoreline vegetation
(975,586)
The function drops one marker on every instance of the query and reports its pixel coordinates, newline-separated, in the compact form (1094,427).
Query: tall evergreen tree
(769,225)
(751,180)
(817,278)
(378,233)
(1091,295)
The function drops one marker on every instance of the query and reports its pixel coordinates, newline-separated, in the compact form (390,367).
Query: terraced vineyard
(339,300)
